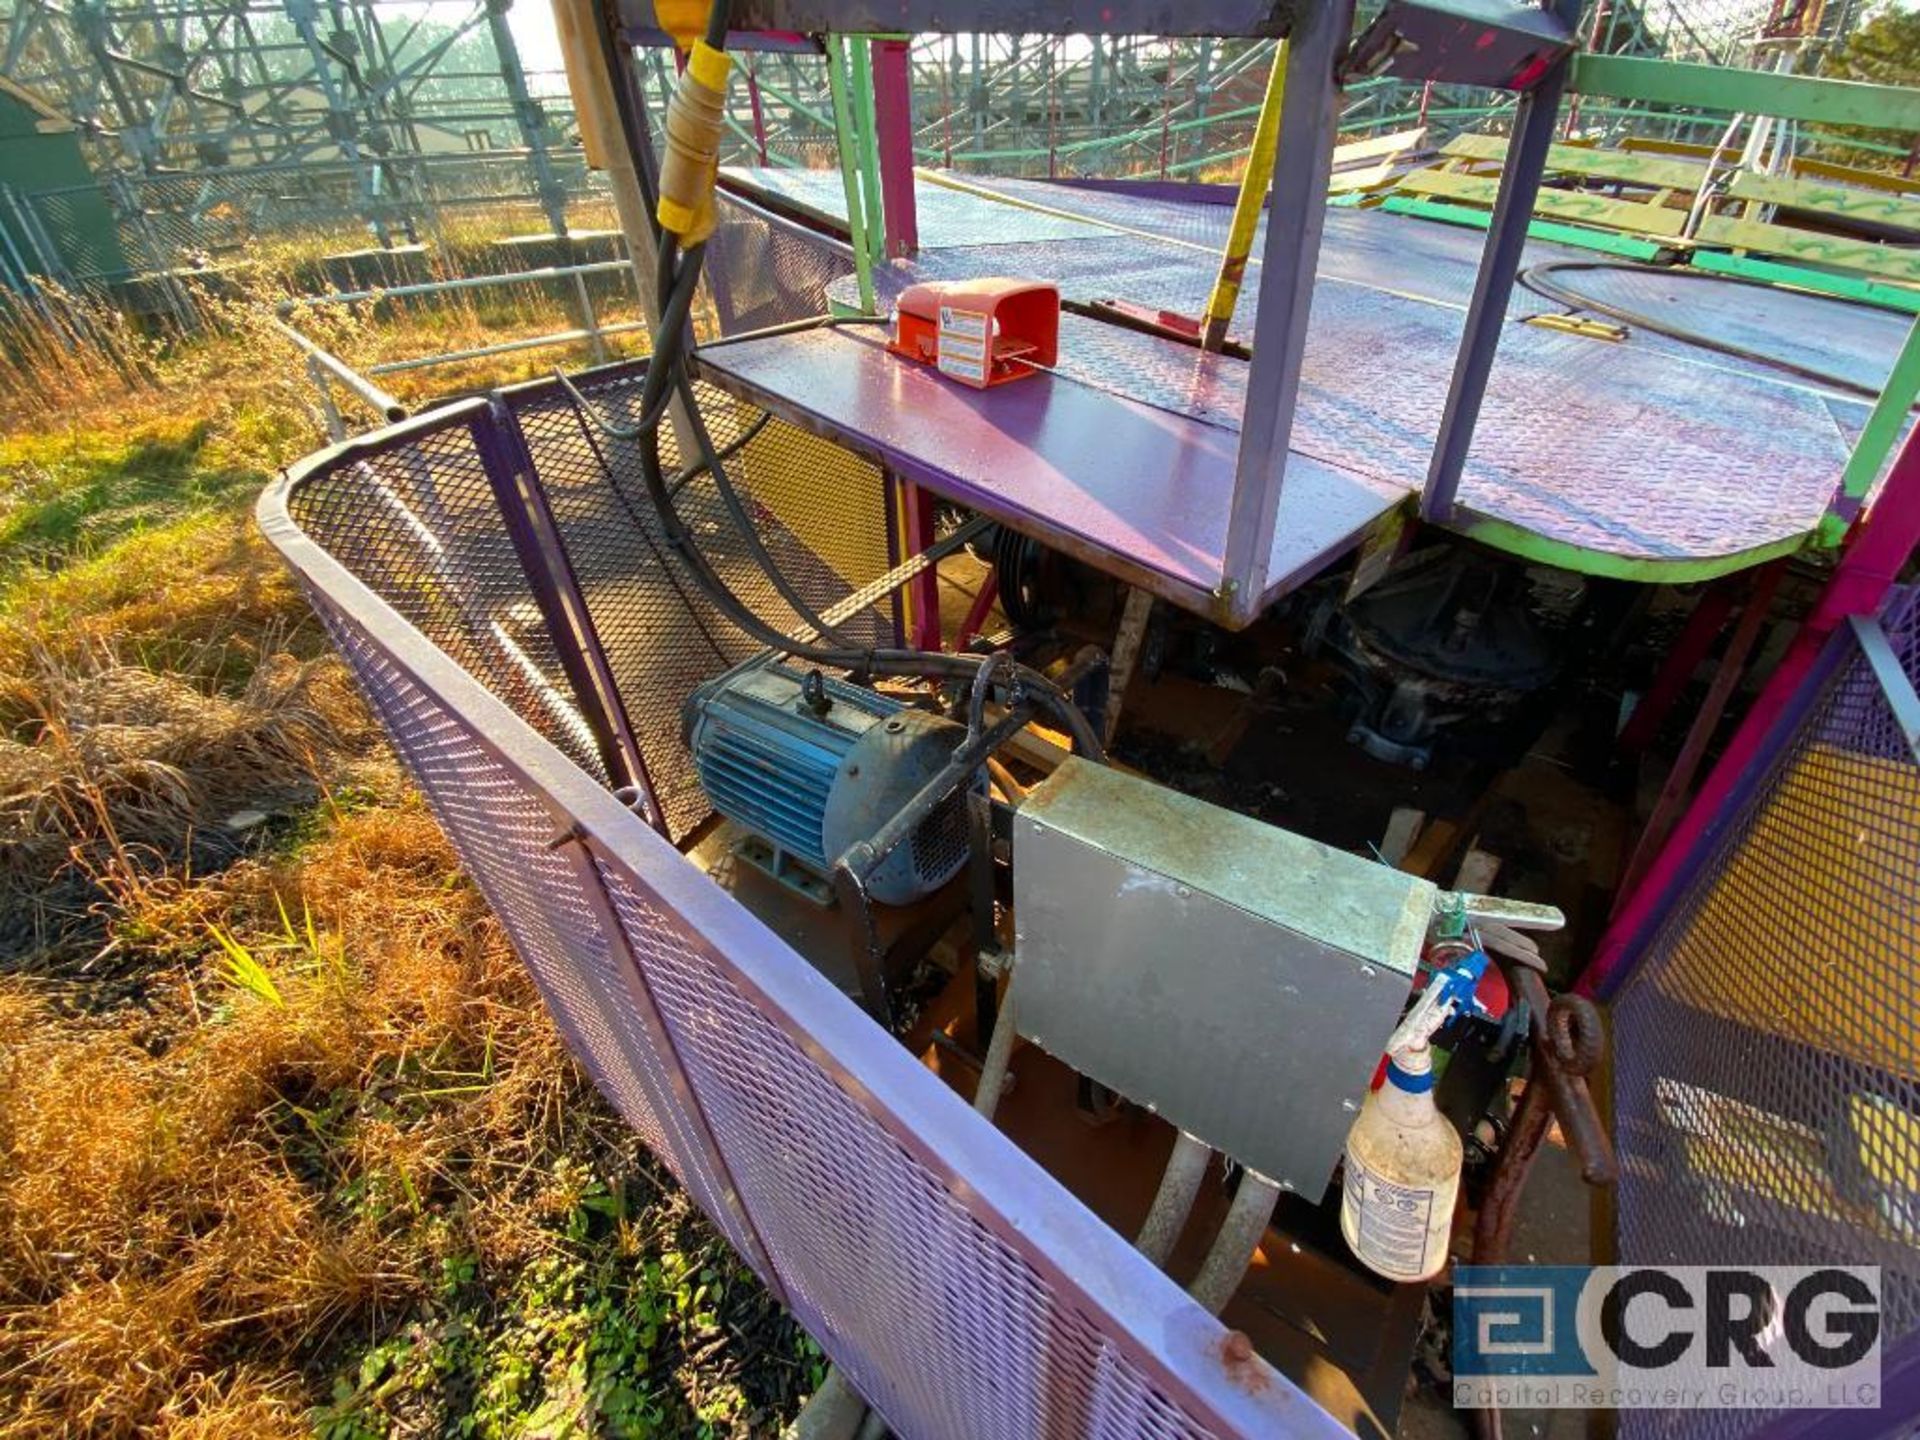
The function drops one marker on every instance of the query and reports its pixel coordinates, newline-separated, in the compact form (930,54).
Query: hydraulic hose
(727,451)
(1173,1201)
(1539,279)
(683,219)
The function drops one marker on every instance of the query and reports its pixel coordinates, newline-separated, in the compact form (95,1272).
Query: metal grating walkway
(1651,457)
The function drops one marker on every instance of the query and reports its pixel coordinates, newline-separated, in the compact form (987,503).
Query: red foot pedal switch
(979,332)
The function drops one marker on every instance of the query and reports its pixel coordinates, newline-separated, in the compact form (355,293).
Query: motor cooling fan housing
(810,766)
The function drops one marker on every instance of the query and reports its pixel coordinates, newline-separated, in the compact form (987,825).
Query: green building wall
(39,154)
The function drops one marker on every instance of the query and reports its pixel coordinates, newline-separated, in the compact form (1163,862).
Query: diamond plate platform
(1651,459)
(945,217)
(1136,490)
(1848,342)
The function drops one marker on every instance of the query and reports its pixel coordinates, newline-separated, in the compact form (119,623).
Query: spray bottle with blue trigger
(1403,1157)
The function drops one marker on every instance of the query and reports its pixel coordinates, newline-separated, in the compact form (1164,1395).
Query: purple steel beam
(1253,19)
(924,587)
(1899,1403)
(759,111)
(893,122)
(536,542)
(767,42)
(1309,120)
(1875,553)
(1520,177)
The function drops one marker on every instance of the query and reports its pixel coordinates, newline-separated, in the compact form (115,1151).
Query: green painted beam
(1604,241)
(1748,92)
(1646,570)
(867,145)
(1656,172)
(837,85)
(1581,206)
(1788,242)
(1846,287)
(1878,435)
(1839,202)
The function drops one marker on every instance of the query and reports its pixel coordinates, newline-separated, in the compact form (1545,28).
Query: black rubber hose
(711,461)
(1537,279)
(676,276)
(655,391)
(726,452)
(665,380)
(920,663)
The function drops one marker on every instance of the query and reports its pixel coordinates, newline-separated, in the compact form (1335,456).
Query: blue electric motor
(810,766)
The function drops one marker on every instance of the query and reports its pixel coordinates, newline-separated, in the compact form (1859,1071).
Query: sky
(532,22)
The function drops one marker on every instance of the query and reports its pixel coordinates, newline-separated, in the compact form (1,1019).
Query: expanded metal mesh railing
(765,270)
(961,1289)
(417,513)
(1767,1087)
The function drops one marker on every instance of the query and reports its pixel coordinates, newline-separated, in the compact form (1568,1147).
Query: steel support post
(527,118)
(923,594)
(757,110)
(1127,644)
(1533,127)
(1297,214)
(893,134)
(838,84)
(342,123)
(867,127)
(977,96)
(1877,439)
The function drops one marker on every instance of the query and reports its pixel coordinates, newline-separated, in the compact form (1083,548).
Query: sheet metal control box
(1238,979)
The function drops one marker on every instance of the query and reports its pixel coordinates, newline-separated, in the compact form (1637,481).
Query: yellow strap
(1251,199)
(709,67)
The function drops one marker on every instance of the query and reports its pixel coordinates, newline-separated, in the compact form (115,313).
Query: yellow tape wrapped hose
(696,118)
(684,20)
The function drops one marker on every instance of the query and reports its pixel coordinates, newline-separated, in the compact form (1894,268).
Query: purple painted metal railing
(765,270)
(1767,1033)
(962,1290)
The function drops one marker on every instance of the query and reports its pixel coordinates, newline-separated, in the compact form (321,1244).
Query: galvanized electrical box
(1239,980)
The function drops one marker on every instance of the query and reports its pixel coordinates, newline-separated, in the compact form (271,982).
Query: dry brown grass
(64,356)
(355,1185)
(129,772)
(163,1214)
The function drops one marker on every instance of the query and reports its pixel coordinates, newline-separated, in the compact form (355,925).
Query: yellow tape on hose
(708,66)
(674,216)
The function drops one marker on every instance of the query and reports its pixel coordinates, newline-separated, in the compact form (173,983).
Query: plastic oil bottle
(1403,1156)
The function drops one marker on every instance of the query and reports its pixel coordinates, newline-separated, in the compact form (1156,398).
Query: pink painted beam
(893,120)
(1869,565)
